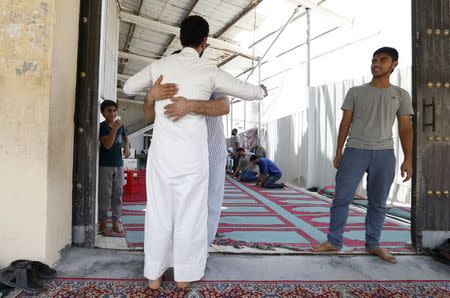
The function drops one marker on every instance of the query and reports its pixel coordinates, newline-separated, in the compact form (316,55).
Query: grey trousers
(215,197)
(110,190)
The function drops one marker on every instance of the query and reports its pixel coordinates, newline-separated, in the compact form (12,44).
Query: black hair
(240,149)
(193,31)
(108,103)
(176,52)
(393,53)
(254,157)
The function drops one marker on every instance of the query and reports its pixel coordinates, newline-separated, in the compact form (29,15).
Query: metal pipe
(273,42)
(258,139)
(308,50)
(231,114)
(245,114)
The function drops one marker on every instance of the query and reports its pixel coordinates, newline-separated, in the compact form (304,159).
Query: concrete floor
(79,262)
(106,263)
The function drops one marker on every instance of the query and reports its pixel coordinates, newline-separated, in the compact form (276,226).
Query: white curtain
(303,144)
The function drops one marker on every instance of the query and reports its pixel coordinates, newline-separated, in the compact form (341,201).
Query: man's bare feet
(382,254)
(183,285)
(155,284)
(117,226)
(324,247)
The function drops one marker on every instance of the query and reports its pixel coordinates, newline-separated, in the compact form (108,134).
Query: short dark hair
(108,103)
(254,157)
(240,149)
(393,53)
(193,30)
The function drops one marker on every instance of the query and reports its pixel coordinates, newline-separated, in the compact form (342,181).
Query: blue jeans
(248,176)
(270,182)
(380,168)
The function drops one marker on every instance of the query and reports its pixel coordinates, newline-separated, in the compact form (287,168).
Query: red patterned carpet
(267,219)
(73,287)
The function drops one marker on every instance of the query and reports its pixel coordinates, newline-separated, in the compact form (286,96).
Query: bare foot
(155,284)
(183,285)
(324,247)
(383,254)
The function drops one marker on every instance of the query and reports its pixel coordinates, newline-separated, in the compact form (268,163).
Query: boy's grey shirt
(374,112)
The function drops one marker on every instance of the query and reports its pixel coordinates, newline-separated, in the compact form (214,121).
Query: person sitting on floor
(248,171)
(269,173)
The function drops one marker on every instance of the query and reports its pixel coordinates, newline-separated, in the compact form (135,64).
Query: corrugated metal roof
(154,44)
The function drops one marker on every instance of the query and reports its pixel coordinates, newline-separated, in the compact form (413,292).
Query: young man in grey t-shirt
(369,114)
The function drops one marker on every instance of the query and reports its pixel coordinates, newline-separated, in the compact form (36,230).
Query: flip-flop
(120,229)
(106,233)
(22,278)
(3,286)
(43,270)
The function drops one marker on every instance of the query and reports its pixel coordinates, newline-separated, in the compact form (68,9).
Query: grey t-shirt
(234,140)
(374,112)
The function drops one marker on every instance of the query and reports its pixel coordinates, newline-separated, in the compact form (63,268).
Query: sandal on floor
(106,232)
(119,227)
(43,270)
(22,278)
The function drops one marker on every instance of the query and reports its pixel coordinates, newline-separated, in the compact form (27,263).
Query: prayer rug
(85,287)
(286,218)
(271,219)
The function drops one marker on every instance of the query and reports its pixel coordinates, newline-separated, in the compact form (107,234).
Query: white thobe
(177,165)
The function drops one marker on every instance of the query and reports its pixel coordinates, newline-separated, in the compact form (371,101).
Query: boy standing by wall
(110,174)
(369,114)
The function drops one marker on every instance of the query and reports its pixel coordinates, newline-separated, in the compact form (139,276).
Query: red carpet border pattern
(78,287)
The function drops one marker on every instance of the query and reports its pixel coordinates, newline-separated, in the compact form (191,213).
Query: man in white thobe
(177,166)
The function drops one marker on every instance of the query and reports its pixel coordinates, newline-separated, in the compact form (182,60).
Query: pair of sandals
(116,231)
(25,274)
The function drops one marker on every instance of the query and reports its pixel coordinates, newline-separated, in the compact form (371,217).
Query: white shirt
(187,68)
(196,78)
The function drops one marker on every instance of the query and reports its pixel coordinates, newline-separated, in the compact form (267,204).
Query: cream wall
(61,127)
(38,45)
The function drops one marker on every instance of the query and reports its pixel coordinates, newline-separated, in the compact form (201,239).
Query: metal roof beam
(157,26)
(135,57)
(126,47)
(341,20)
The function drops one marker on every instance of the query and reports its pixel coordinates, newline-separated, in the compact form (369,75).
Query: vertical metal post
(245,114)
(308,50)
(231,116)
(86,125)
(259,109)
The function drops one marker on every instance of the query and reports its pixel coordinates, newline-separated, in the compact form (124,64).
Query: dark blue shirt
(111,157)
(268,168)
